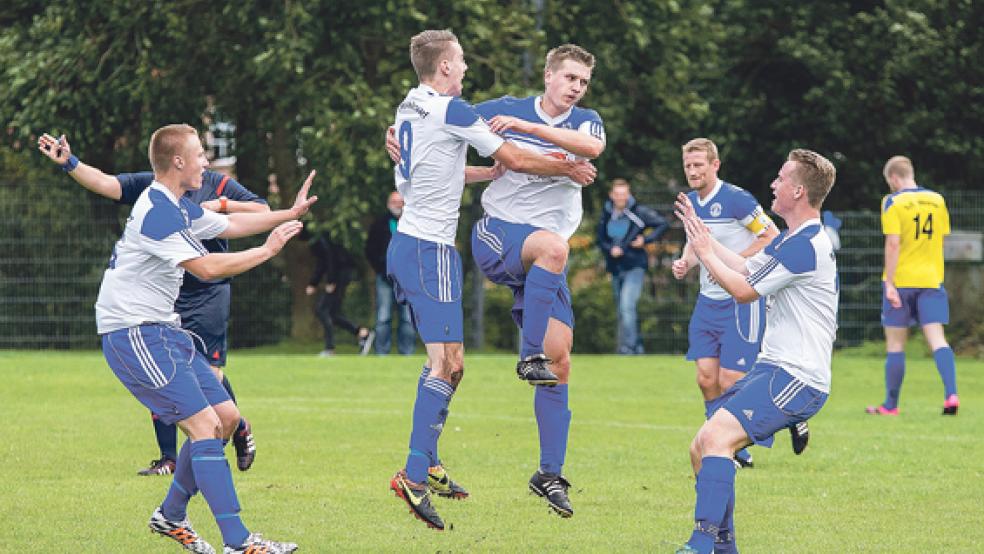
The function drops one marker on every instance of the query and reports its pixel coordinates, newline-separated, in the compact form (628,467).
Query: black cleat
(164,466)
(440,483)
(743,459)
(417,498)
(552,488)
(533,369)
(800,435)
(245,446)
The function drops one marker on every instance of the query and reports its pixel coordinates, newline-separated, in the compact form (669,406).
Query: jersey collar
(552,121)
(160,186)
(714,191)
(804,225)
(429,90)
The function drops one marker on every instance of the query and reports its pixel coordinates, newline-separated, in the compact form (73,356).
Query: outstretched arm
(229,264)
(246,224)
(93,179)
(524,161)
(575,142)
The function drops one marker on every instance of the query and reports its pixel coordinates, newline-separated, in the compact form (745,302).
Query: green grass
(331,433)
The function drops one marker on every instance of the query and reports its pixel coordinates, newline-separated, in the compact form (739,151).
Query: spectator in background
(333,265)
(831,226)
(622,238)
(380,233)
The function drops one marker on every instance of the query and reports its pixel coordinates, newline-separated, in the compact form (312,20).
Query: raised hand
(301,202)
(56,149)
(680,268)
(281,234)
(583,172)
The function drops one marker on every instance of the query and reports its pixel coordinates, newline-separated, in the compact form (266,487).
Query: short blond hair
(167,142)
(426,49)
(701,144)
(556,56)
(899,166)
(815,173)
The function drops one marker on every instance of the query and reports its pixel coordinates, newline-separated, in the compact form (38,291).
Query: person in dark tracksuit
(622,236)
(203,305)
(333,265)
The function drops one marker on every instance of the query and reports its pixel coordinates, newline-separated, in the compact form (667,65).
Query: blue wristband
(72,163)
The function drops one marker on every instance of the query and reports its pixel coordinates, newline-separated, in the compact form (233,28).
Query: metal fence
(52,255)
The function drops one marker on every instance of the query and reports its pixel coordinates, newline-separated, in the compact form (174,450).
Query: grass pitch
(331,432)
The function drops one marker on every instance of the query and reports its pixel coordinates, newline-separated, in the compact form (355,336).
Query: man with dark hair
(622,238)
(380,233)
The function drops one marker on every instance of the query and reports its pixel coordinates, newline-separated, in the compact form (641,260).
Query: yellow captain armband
(757,221)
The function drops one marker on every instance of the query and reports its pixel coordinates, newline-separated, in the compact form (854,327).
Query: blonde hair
(899,166)
(815,173)
(167,142)
(426,49)
(702,145)
(556,56)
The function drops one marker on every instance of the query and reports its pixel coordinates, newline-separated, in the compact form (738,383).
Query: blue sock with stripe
(715,486)
(726,542)
(539,293)
(215,481)
(553,421)
(167,438)
(894,373)
(424,374)
(946,364)
(183,487)
(429,412)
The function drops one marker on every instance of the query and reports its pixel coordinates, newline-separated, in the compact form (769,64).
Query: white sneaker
(365,343)
(326,354)
(257,544)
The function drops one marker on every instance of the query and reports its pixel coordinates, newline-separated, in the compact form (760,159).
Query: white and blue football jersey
(735,219)
(551,203)
(798,274)
(434,131)
(143,278)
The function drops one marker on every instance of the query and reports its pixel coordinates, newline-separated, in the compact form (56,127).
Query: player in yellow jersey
(914,220)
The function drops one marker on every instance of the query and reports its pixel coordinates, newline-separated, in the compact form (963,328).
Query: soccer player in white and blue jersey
(724,336)
(521,243)
(154,358)
(435,127)
(791,378)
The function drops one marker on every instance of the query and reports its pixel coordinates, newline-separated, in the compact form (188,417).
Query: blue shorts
(205,312)
(497,247)
(427,275)
(768,399)
(922,306)
(158,364)
(727,330)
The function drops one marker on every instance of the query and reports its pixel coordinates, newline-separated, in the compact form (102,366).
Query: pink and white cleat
(951,405)
(882,410)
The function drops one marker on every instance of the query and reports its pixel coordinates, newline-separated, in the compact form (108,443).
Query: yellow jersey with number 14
(920,218)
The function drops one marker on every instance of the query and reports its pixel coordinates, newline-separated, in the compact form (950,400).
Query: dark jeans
(329,312)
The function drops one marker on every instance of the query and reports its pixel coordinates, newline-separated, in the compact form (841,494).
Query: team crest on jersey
(715,209)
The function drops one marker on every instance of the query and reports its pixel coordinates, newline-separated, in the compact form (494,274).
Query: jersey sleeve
(164,233)
(593,125)
(132,185)
(889,219)
(776,269)
(205,224)
(463,121)
(235,191)
(750,213)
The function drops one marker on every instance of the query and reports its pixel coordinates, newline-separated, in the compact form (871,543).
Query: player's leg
(896,322)
(384,315)
(933,313)
(544,256)
(553,416)
(167,442)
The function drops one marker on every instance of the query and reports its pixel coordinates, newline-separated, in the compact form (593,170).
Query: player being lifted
(203,305)
(914,221)
(434,128)
(725,336)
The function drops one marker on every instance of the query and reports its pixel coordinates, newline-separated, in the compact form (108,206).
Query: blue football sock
(429,412)
(228,387)
(539,293)
(183,487)
(715,486)
(726,543)
(215,481)
(424,374)
(894,373)
(947,366)
(167,438)
(553,420)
